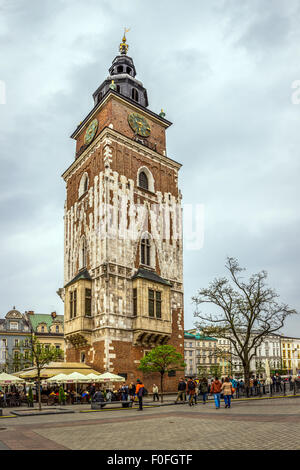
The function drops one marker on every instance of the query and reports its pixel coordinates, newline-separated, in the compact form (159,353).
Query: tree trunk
(247,377)
(39,391)
(161,387)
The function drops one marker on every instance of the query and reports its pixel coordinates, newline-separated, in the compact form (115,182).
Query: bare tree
(247,312)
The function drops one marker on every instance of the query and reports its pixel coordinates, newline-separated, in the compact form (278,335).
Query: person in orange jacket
(139,393)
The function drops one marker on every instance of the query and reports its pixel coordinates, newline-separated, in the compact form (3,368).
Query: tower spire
(124,46)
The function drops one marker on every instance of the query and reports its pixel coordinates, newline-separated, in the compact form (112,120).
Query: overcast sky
(222,71)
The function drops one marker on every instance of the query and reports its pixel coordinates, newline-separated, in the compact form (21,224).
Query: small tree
(246,312)
(30,397)
(41,356)
(162,359)
(61,396)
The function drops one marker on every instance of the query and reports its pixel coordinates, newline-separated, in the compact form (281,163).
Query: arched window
(145,251)
(83,185)
(120,69)
(57,329)
(118,88)
(134,94)
(128,70)
(83,253)
(143,180)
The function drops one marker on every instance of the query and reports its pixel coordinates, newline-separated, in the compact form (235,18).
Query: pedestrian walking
(155,392)
(215,390)
(191,387)
(181,390)
(227,392)
(139,393)
(203,388)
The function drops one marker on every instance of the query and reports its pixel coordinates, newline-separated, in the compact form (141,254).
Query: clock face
(139,124)
(91,131)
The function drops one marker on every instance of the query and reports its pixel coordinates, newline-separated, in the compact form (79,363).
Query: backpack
(144,392)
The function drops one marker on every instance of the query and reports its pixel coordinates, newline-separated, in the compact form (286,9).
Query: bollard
(0,412)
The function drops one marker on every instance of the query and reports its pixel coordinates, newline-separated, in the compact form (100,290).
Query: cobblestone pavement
(266,424)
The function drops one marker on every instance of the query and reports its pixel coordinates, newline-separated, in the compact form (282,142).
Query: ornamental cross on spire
(124,46)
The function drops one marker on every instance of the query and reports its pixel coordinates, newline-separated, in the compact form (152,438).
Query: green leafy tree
(215,371)
(246,312)
(162,359)
(61,395)
(40,357)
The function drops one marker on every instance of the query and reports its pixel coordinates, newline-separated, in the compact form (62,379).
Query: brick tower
(123,291)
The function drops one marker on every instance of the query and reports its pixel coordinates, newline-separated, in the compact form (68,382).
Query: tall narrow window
(134,94)
(71,305)
(151,302)
(143,180)
(83,253)
(134,296)
(145,251)
(88,302)
(74,302)
(158,304)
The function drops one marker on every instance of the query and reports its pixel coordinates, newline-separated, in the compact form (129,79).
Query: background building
(290,348)
(14,331)
(48,328)
(199,353)
(123,275)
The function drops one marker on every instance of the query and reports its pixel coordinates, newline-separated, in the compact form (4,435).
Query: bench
(98,405)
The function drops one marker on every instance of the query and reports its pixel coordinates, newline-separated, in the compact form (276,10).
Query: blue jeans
(227,399)
(217,399)
(204,396)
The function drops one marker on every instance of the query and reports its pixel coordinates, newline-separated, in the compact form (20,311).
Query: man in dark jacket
(181,390)
(140,392)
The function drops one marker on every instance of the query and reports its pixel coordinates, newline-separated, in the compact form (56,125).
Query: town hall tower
(123,267)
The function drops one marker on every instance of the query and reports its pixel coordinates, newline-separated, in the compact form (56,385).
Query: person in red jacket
(215,390)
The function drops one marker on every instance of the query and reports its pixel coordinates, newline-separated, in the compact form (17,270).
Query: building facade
(290,348)
(47,328)
(123,289)
(199,353)
(14,350)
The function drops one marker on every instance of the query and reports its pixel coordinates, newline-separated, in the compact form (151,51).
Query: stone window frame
(83,249)
(152,251)
(151,186)
(83,185)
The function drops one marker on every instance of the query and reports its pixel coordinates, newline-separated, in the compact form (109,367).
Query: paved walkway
(265,424)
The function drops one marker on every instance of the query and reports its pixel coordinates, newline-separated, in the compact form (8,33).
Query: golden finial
(123,45)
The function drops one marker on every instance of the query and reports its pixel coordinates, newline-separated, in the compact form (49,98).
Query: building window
(154,301)
(118,89)
(120,69)
(134,94)
(145,251)
(82,357)
(83,185)
(151,302)
(57,329)
(88,302)
(16,342)
(14,325)
(134,297)
(73,302)
(158,304)
(83,253)
(143,180)
(42,329)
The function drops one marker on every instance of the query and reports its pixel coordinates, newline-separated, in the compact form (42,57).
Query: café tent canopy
(55,368)
(93,377)
(7,379)
(77,378)
(58,378)
(109,377)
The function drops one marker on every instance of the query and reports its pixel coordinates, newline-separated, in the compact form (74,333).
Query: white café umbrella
(92,377)
(7,379)
(109,377)
(59,378)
